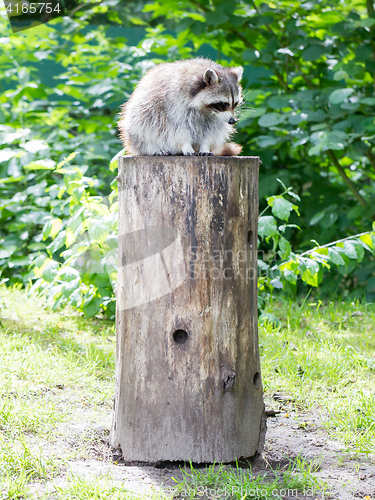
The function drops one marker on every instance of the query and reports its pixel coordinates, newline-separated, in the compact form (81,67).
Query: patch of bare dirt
(85,440)
(288,436)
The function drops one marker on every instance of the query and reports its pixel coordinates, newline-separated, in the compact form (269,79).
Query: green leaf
(290,276)
(340,95)
(283,227)
(57,243)
(17,261)
(36,246)
(7,154)
(312,275)
(340,75)
(251,113)
(350,250)
(34,146)
(137,21)
(70,287)
(265,141)
(267,226)
(271,119)
(316,116)
(249,55)
(215,18)
(335,257)
(113,165)
(276,283)
(47,229)
(99,232)
(55,227)
(285,248)
(92,306)
(41,165)
(282,184)
(368,22)
(68,274)
(370,101)
(279,101)
(317,218)
(296,119)
(267,317)
(293,195)
(313,52)
(40,260)
(359,249)
(368,241)
(66,160)
(49,270)
(281,208)
(312,265)
(7,251)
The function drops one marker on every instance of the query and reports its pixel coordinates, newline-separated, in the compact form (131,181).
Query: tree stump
(188,383)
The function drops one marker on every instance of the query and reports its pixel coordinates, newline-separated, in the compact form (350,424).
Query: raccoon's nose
(232,120)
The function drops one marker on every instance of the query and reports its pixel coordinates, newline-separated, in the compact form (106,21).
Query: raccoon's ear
(238,72)
(210,77)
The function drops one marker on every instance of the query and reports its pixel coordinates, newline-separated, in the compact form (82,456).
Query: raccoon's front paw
(205,150)
(164,152)
(187,150)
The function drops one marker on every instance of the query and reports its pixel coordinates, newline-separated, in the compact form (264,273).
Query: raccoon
(186,107)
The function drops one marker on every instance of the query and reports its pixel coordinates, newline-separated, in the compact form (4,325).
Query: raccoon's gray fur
(186,107)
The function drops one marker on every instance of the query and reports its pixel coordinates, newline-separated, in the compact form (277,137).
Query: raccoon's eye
(236,104)
(219,106)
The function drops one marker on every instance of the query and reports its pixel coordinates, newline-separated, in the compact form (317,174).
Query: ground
(56,387)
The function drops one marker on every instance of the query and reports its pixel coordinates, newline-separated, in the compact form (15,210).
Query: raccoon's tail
(228,149)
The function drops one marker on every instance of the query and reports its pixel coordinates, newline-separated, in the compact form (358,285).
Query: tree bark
(188,383)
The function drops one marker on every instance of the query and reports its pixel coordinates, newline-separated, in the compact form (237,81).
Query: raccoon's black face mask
(222,106)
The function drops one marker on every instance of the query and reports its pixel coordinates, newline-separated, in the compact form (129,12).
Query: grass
(57,368)
(324,358)
(17,459)
(14,487)
(24,416)
(237,483)
(75,488)
(54,368)
(80,488)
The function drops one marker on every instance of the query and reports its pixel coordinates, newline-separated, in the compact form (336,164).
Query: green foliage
(280,268)
(45,118)
(309,113)
(80,266)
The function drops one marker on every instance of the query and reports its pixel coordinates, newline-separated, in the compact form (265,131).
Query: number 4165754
(32,8)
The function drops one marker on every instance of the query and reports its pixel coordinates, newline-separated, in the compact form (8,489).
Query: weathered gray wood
(188,383)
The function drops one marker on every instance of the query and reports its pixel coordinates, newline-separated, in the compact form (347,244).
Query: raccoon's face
(225,107)
(220,94)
